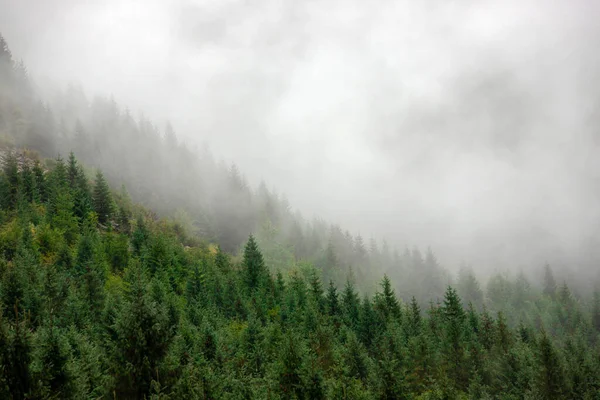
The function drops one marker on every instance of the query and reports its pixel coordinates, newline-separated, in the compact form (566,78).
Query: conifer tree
(454,318)
(549,282)
(332,300)
(290,380)
(254,265)
(72,170)
(40,181)
(386,301)
(222,261)
(504,336)
(11,175)
(51,363)
(551,378)
(15,356)
(350,302)
(83,196)
(596,311)
(102,199)
(356,359)
(369,325)
(414,318)
(316,290)
(30,190)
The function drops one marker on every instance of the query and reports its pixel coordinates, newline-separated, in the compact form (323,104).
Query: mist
(471,127)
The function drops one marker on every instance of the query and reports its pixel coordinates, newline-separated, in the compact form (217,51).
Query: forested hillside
(154,287)
(210,198)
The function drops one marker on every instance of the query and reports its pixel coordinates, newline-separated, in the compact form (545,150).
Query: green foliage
(103,298)
(148,312)
(254,266)
(102,199)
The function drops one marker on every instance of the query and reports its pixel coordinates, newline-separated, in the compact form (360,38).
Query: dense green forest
(140,270)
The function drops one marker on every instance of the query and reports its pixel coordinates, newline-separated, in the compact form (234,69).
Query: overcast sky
(471,126)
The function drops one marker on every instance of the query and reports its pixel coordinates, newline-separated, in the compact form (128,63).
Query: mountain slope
(102,298)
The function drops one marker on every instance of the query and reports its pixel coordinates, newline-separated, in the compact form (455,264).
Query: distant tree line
(102,299)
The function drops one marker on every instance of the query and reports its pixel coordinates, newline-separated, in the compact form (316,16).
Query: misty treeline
(122,292)
(209,198)
(101,299)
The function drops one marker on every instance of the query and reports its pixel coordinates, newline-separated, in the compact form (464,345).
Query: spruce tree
(369,325)
(332,300)
(15,352)
(11,174)
(29,189)
(386,301)
(40,181)
(72,170)
(222,261)
(290,380)
(551,379)
(350,302)
(254,265)
(549,282)
(414,318)
(596,311)
(51,363)
(316,290)
(102,199)
(83,196)
(454,316)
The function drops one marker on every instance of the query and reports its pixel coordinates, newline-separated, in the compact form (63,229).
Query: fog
(468,126)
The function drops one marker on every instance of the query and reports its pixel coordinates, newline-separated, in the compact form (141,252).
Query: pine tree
(290,381)
(222,261)
(72,170)
(29,190)
(254,265)
(386,301)
(369,325)
(454,316)
(102,199)
(549,282)
(142,334)
(40,181)
(195,284)
(469,288)
(414,318)
(350,302)
(356,359)
(504,336)
(11,175)
(51,364)
(279,286)
(15,356)
(83,196)
(312,378)
(141,236)
(596,311)
(332,300)
(551,378)
(316,290)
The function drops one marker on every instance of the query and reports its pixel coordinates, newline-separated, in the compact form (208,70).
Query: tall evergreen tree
(454,317)
(11,175)
(549,282)
(551,379)
(350,302)
(332,300)
(596,311)
(290,380)
(102,199)
(254,265)
(386,301)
